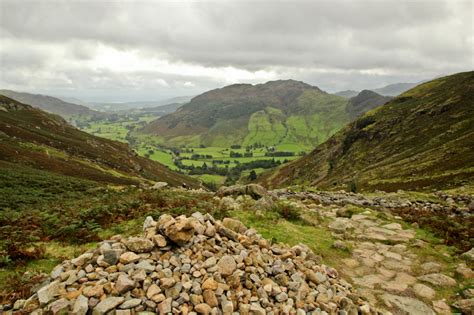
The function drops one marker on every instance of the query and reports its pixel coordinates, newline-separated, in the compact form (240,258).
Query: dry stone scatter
(386,265)
(195,265)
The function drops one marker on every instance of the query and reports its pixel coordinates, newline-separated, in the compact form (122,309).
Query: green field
(113,131)
(116,128)
(163,156)
(213,165)
(211,179)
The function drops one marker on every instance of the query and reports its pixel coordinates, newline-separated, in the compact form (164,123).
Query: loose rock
(194,265)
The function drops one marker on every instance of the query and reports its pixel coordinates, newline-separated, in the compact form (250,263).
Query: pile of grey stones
(194,265)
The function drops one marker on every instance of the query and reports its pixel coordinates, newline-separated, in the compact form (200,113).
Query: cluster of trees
(232,173)
(234,154)
(256,145)
(200,156)
(185,150)
(280,153)
(221,162)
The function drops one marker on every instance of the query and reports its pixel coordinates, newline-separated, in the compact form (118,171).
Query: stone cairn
(194,265)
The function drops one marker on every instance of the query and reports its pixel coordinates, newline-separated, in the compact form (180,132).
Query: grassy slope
(34,139)
(422,139)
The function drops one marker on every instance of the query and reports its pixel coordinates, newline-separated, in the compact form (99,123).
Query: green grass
(116,130)
(21,185)
(265,127)
(211,179)
(273,227)
(113,131)
(160,155)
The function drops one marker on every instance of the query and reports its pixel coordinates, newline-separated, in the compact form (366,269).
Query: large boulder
(180,230)
(159,185)
(469,255)
(438,279)
(50,291)
(228,203)
(139,245)
(234,225)
(408,305)
(466,306)
(253,190)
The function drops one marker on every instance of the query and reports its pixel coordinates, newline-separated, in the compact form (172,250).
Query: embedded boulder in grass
(469,255)
(206,267)
(253,190)
(159,185)
(234,225)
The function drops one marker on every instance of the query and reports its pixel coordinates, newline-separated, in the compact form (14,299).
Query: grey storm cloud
(334,44)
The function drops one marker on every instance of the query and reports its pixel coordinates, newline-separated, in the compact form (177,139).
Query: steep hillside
(53,105)
(33,140)
(363,102)
(275,113)
(422,139)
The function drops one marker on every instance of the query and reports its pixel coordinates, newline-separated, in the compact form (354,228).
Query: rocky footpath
(387,264)
(455,205)
(194,265)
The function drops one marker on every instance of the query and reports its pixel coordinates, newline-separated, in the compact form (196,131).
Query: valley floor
(212,165)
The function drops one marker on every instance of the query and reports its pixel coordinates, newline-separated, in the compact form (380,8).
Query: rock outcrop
(195,265)
(253,190)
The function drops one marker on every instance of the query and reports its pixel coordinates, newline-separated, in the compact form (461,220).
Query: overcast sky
(149,50)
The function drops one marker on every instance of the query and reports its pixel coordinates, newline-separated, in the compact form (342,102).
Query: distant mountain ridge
(284,113)
(122,106)
(388,90)
(395,89)
(53,105)
(346,93)
(422,139)
(158,110)
(33,140)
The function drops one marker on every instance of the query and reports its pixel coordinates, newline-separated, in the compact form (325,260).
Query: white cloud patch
(154,49)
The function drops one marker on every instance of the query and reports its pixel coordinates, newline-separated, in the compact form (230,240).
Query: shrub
(287,210)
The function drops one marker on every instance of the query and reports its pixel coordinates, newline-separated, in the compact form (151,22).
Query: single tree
(252,175)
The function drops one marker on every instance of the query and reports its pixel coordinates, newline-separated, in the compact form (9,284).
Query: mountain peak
(367,93)
(245,106)
(365,101)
